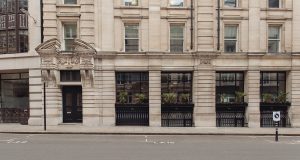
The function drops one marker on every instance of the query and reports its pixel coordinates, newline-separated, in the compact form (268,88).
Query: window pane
(3,6)
(70,76)
(131,37)
(131,31)
(131,2)
(176,3)
(70,30)
(273,46)
(70,1)
(69,44)
(23,4)
(230,32)
(274,32)
(176,38)
(230,3)
(12,48)
(3,42)
(3,22)
(230,46)
(23,40)
(274,3)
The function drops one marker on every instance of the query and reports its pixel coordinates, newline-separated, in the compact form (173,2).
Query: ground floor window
(176,99)
(14,98)
(132,98)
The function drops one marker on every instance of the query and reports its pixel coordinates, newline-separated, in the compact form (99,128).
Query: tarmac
(139,130)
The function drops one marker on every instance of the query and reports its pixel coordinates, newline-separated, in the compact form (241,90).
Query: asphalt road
(139,147)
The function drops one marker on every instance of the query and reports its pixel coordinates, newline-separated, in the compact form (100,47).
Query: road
(140,147)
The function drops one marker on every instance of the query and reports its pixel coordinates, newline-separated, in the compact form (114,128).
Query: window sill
(17,55)
(68,5)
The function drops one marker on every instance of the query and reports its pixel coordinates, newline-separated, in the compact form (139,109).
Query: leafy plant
(123,95)
(267,97)
(281,98)
(184,98)
(222,98)
(140,98)
(239,96)
(169,98)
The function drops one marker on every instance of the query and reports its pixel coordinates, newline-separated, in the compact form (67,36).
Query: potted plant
(140,98)
(123,97)
(184,98)
(239,96)
(281,98)
(267,98)
(169,98)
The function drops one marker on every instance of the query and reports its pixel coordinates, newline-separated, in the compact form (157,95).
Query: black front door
(72,104)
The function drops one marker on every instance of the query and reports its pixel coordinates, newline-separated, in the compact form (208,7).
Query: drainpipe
(42,20)
(192,24)
(218,46)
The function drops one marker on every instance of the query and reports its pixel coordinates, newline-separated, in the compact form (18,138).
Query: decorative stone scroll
(206,59)
(53,60)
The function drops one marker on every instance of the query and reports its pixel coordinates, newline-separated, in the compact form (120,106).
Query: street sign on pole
(276,116)
(276,119)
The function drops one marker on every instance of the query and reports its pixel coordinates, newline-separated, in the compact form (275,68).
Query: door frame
(76,117)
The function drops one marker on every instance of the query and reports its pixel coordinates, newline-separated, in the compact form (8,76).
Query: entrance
(72,104)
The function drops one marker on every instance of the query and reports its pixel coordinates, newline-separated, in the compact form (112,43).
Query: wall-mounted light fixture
(27,13)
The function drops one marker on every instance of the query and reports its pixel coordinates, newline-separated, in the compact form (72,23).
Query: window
(70,1)
(176,3)
(131,2)
(176,37)
(179,84)
(70,34)
(230,3)
(70,76)
(228,85)
(230,38)
(131,85)
(274,3)
(274,39)
(13,26)
(272,84)
(131,37)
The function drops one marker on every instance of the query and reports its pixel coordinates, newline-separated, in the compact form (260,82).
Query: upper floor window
(176,3)
(13,26)
(70,34)
(70,1)
(274,3)
(176,37)
(230,38)
(131,37)
(131,2)
(230,3)
(274,39)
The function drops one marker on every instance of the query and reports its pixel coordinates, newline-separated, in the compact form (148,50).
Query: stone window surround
(239,34)
(282,35)
(237,5)
(185,32)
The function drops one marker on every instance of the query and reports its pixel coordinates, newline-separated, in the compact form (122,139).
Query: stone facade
(100,52)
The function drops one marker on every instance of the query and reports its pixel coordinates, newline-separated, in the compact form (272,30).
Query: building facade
(165,63)
(20,73)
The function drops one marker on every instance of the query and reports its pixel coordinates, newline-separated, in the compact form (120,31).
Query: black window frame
(277,81)
(70,76)
(125,82)
(187,84)
(15,38)
(274,5)
(236,88)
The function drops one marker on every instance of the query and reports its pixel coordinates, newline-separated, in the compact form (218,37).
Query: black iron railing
(177,115)
(132,114)
(231,115)
(266,114)
(14,115)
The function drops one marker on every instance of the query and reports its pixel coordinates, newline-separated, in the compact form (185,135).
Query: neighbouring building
(159,63)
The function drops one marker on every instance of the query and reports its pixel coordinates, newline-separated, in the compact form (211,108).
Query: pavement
(80,129)
(146,147)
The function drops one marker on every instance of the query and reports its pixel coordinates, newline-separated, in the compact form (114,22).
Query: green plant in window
(281,98)
(267,98)
(239,96)
(222,98)
(184,98)
(123,95)
(140,98)
(169,98)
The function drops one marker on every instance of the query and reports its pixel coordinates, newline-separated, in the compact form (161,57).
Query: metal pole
(45,123)
(276,134)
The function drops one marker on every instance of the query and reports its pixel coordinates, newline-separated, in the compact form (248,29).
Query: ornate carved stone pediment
(53,60)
